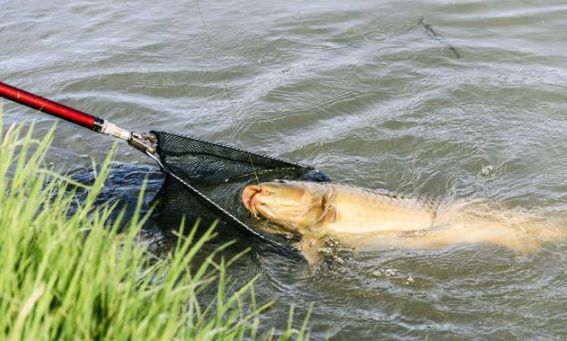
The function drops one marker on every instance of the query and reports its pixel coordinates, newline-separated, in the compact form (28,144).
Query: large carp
(359,216)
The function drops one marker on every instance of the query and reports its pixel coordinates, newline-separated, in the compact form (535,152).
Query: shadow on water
(123,188)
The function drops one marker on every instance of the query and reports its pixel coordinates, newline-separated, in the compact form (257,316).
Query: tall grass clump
(67,274)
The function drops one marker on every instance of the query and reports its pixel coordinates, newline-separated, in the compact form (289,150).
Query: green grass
(73,276)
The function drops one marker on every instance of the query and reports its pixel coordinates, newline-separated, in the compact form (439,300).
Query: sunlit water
(360,90)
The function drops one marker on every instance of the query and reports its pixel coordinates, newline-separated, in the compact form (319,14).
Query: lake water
(469,103)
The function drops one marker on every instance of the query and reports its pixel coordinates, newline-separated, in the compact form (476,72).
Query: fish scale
(359,210)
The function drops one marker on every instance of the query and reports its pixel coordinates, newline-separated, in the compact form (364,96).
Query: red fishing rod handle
(50,107)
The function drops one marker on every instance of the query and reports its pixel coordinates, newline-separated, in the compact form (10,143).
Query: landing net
(205,180)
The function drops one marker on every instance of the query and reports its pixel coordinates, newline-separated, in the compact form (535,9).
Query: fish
(365,218)
(304,207)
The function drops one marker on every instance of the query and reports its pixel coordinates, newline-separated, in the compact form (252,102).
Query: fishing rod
(143,142)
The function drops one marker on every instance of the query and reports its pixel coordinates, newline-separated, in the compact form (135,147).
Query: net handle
(50,107)
(140,141)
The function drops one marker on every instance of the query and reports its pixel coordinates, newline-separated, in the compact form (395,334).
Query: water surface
(360,90)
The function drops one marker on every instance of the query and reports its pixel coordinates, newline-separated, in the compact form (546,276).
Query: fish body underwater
(365,219)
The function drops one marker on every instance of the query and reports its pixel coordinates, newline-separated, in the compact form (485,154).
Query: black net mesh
(205,180)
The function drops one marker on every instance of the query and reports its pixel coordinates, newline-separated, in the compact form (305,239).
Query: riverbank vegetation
(66,273)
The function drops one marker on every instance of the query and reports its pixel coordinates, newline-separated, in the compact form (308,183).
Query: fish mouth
(248,198)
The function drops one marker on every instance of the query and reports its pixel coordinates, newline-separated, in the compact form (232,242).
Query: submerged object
(430,31)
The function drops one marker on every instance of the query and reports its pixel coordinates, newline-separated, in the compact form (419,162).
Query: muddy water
(470,103)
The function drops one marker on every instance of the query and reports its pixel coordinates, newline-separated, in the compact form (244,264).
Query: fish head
(295,206)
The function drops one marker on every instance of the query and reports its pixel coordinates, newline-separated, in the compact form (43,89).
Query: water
(359,90)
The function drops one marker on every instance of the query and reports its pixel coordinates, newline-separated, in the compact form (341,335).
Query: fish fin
(309,247)
(329,214)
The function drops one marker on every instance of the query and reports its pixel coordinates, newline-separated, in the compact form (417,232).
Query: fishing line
(210,42)
(254,170)
(225,85)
